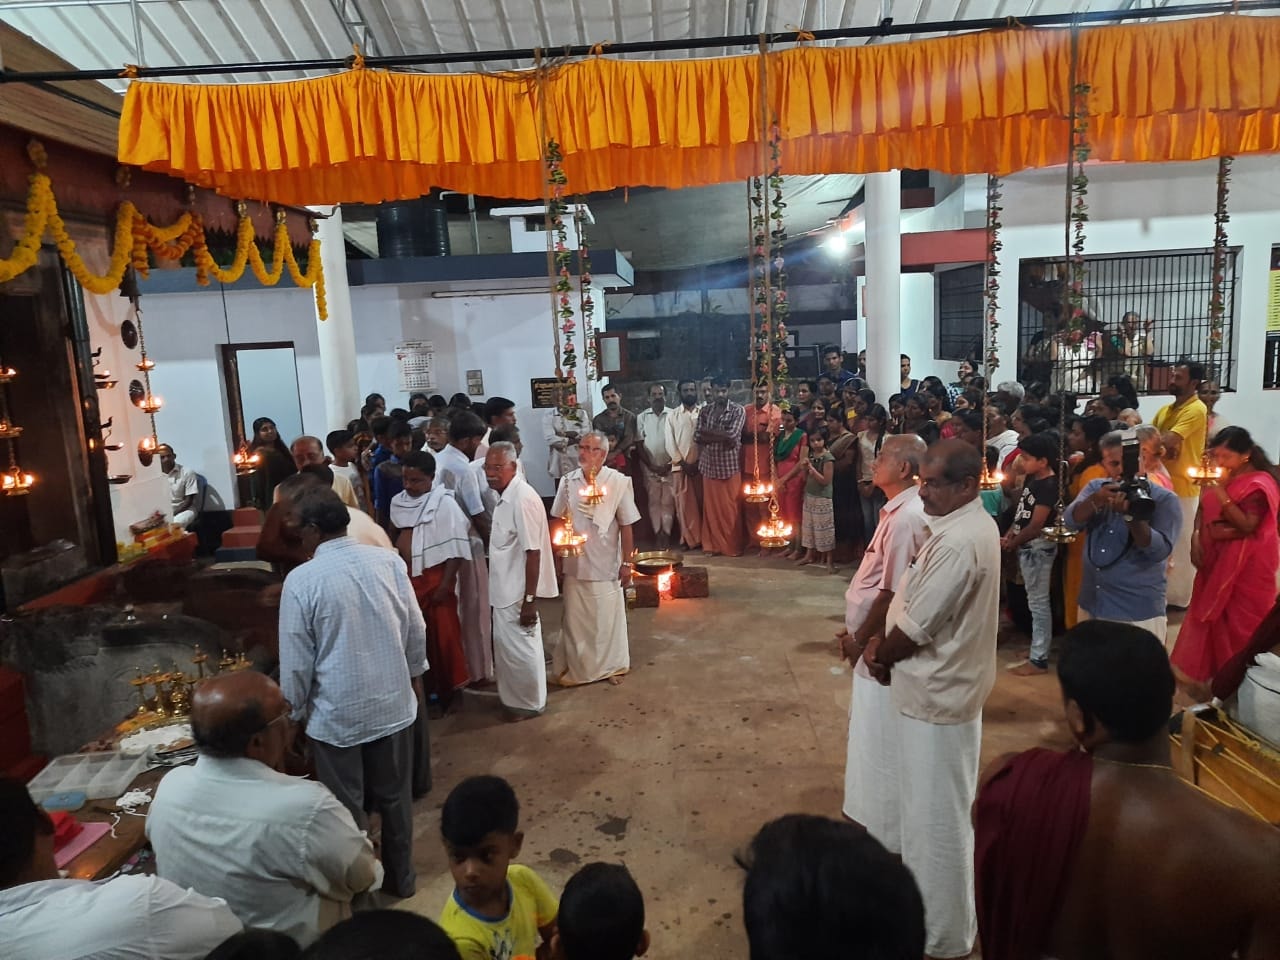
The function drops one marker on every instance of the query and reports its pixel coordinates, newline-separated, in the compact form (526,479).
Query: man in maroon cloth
(1103,852)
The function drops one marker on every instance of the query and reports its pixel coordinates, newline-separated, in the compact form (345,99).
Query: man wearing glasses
(283,852)
(939,651)
(353,649)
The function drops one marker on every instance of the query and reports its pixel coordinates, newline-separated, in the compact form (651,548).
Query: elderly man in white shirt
(593,638)
(455,471)
(282,851)
(939,647)
(352,654)
(871,793)
(521,569)
(655,465)
(43,917)
(682,425)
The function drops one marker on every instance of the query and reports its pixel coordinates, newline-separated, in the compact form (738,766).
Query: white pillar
(884,282)
(336,335)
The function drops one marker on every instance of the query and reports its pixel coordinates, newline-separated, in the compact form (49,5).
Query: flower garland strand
(759,265)
(134,236)
(991,356)
(586,304)
(562,287)
(1078,214)
(1217,296)
(777,240)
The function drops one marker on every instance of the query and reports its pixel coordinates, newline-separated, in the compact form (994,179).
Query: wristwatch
(529,598)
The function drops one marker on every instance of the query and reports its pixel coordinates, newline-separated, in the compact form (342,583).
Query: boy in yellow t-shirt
(499,910)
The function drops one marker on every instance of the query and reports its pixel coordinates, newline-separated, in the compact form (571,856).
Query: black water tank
(413,228)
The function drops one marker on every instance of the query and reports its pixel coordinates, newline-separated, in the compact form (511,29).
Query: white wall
(1142,208)
(508,338)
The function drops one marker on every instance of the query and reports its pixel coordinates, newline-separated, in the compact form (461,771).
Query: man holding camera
(1130,527)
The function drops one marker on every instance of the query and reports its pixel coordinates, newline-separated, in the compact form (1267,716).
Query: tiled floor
(735,712)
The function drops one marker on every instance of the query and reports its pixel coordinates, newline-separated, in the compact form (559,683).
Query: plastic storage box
(96,775)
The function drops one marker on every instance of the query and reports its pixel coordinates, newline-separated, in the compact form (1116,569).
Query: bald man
(309,452)
(283,852)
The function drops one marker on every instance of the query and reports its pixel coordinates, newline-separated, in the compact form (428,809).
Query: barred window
(1271,366)
(960,310)
(1143,312)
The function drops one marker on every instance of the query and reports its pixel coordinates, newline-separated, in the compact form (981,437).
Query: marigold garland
(1217,296)
(586,304)
(991,357)
(778,240)
(562,287)
(1078,189)
(134,236)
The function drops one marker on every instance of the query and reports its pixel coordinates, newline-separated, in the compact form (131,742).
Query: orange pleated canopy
(992,102)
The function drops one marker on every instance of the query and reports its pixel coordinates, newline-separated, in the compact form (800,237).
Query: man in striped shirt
(352,654)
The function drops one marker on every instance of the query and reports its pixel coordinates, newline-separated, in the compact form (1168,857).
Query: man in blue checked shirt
(352,654)
(1125,559)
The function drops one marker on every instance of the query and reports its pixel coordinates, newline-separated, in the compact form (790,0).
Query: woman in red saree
(790,452)
(1236,552)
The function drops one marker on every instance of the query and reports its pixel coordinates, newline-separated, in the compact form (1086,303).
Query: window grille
(1170,288)
(960,309)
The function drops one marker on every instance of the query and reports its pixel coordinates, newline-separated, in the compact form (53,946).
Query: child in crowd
(382,935)
(818,521)
(346,461)
(616,458)
(870,438)
(499,910)
(387,480)
(378,426)
(601,916)
(1037,455)
(434,537)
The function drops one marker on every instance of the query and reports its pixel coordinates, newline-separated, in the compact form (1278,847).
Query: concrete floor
(735,712)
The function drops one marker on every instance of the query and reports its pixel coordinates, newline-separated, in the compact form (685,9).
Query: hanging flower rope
(777,240)
(1217,296)
(134,236)
(1078,215)
(562,286)
(755,491)
(586,304)
(991,357)
(759,267)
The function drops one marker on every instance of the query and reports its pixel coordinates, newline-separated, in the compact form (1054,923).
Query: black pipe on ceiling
(885,29)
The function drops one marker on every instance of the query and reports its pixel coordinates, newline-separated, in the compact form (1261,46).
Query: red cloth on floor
(448,664)
(1029,820)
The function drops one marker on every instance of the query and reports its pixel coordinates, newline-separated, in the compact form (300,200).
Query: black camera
(1134,485)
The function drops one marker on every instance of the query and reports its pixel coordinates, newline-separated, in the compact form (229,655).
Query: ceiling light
(837,244)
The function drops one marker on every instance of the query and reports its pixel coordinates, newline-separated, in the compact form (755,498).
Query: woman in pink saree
(1236,552)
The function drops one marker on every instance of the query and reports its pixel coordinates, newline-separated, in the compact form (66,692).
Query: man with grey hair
(871,767)
(1125,556)
(308,451)
(593,639)
(939,648)
(1010,394)
(353,649)
(521,570)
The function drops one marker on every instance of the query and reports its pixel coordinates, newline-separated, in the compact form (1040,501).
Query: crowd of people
(417,555)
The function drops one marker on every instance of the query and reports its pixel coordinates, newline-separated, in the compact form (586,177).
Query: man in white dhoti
(871,792)
(682,424)
(454,472)
(521,569)
(655,465)
(939,647)
(593,640)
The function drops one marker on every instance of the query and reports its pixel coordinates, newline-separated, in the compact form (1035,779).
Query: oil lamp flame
(16,482)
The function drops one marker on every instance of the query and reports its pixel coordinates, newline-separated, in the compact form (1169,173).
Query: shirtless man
(1105,851)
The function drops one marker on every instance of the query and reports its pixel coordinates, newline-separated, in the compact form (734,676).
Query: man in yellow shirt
(1182,425)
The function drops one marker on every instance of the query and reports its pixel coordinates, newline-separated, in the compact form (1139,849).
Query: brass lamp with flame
(567,542)
(246,461)
(775,532)
(16,482)
(757,491)
(1207,474)
(592,493)
(990,479)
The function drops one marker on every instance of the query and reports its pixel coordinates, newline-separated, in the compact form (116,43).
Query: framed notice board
(549,392)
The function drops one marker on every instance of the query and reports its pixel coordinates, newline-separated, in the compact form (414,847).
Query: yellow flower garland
(134,236)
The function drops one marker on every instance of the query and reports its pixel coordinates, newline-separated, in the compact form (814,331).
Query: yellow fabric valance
(978,103)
